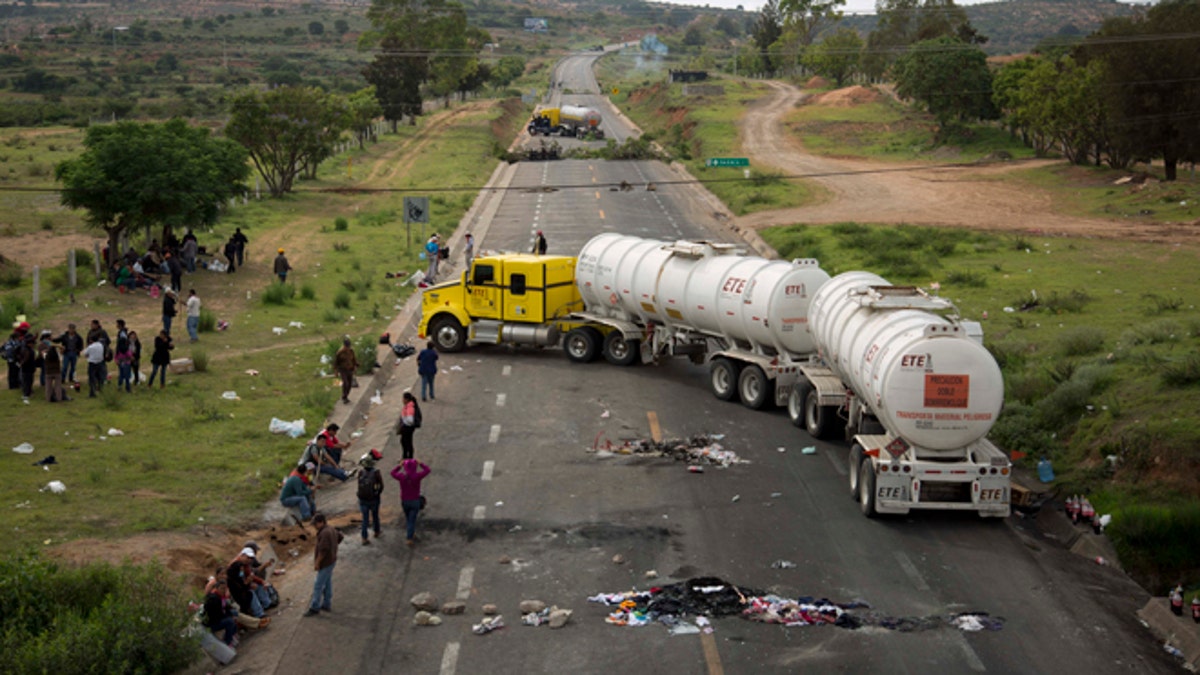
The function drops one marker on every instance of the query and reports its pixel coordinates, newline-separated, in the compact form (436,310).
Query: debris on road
(488,625)
(425,601)
(695,450)
(810,450)
(783,564)
(424,618)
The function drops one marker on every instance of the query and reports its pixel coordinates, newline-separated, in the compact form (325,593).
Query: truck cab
(512,297)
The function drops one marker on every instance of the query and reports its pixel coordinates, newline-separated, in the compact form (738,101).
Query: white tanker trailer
(567,120)
(917,392)
(633,299)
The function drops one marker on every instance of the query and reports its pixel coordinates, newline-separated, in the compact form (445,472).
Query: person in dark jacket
(427,369)
(240,240)
(282,267)
(230,251)
(218,614)
(539,243)
(370,490)
(161,358)
(72,347)
(168,310)
(324,560)
(176,270)
(28,360)
(17,338)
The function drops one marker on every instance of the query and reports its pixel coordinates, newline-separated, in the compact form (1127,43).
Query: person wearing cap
(539,244)
(370,488)
(410,473)
(27,359)
(433,253)
(168,309)
(296,492)
(345,362)
(244,584)
(282,267)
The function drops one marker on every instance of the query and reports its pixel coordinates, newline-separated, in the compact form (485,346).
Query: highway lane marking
(601,214)
(494,434)
(836,461)
(465,577)
(911,571)
(480,512)
(449,659)
(597,195)
(506,371)
(711,658)
(973,660)
(655,430)
(488,467)
(500,399)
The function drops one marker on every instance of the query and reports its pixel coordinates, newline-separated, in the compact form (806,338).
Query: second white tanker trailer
(915,391)
(631,299)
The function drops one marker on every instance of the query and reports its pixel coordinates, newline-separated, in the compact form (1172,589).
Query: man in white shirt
(97,371)
(193,315)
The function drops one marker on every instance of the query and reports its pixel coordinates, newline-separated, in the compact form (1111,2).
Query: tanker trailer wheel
(853,461)
(582,344)
(796,399)
(754,388)
(723,378)
(818,419)
(448,334)
(866,488)
(619,351)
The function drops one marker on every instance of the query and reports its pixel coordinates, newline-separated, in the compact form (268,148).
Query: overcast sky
(851,7)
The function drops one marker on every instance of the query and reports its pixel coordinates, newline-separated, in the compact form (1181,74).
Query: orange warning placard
(947,391)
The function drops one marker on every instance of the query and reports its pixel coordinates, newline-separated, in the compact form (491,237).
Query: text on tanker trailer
(918,393)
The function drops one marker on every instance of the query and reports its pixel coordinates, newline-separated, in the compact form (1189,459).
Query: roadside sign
(726,161)
(416,209)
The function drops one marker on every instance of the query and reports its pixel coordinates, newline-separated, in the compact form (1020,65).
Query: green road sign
(726,161)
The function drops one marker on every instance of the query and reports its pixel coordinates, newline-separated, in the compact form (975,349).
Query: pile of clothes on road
(698,449)
(706,597)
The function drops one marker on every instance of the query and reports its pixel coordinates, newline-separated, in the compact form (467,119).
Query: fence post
(71,275)
(96,257)
(37,286)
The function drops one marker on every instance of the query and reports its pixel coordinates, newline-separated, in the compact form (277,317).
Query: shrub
(208,320)
(307,292)
(1163,304)
(320,400)
(278,294)
(83,257)
(1069,400)
(340,247)
(342,299)
(10,273)
(1155,542)
(97,618)
(332,316)
(111,396)
(200,360)
(1184,372)
(967,278)
(340,224)
(1081,341)
(366,348)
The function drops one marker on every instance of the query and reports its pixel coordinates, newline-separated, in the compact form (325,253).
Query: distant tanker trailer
(568,120)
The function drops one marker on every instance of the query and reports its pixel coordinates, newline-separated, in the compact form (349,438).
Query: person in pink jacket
(410,472)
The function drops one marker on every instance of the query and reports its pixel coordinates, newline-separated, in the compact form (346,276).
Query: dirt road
(875,192)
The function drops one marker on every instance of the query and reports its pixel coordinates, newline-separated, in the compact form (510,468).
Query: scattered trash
(1045,471)
(696,468)
(403,351)
(488,625)
(604,415)
(455,367)
(618,559)
(651,574)
(115,432)
(1172,650)
(358,433)
(48,459)
(324,359)
(736,498)
(24,505)
(230,396)
(1100,560)
(295,324)
(55,486)
(776,495)
(222,325)
(499,503)
(294,429)
(536,618)
(280,331)
(699,449)
(810,450)
(781,449)
(783,564)
(377,399)
(252,372)
(684,628)
(23,449)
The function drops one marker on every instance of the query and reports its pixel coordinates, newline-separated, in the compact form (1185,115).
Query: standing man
(240,241)
(433,252)
(188,252)
(345,362)
(176,271)
(469,252)
(52,368)
(97,372)
(410,421)
(27,359)
(230,251)
(539,244)
(193,315)
(168,310)
(427,369)
(282,267)
(11,348)
(324,559)
(72,347)
(370,489)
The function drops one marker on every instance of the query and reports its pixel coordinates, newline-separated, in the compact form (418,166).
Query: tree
(767,30)
(136,175)
(948,78)
(341,26)
(694,36)
(364,110)
(837,56)
(316,28)
(808,17)
(905,22)
(287,131)
(507,69)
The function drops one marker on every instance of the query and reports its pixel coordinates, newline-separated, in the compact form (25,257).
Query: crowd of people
(238,595)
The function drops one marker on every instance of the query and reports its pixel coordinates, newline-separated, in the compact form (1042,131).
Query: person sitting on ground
(243,619)
(125,278)
(262,572)
(244,584)
(297,493)
(218,614)
(328,450)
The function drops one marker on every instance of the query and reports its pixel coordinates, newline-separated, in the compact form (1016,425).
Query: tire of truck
(853,460)
(866,491)
(619,351)
(818,419)
(795,403)
(723,379)
(582,344)
(754,388)
(448,334)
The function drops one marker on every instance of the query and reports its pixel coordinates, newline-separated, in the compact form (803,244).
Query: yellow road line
(711,658)
(655,430)
(601,214)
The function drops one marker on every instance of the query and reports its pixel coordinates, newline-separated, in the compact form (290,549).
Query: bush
(1069,400)
(208,320)
(10,274)
(83,258)
(320,400)
(97,618)
(342,299)
(366,348)
(967,278)
(1081,341)
(1155,543)
(200,360)
(1182,373)
(307,292)
(340,224)
(278,294)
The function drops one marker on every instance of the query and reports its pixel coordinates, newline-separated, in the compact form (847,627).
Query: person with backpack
(410,421)
(370,488)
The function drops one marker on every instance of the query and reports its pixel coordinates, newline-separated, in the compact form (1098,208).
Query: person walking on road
(427,369)
(324,559)
(410,473)
(370,490)
(282,267)
(469,251)
(410,421)
(539,244)
(193,315)
(345,362)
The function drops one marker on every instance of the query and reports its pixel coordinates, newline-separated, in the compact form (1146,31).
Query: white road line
(488,467)
(973,660)
(480,512)
(465,578)
(911,571)
(500,399)
(506,371)
(449,659)
(494,434)
(836,460)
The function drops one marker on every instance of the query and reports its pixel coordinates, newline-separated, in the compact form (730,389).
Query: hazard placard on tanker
(947,391)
